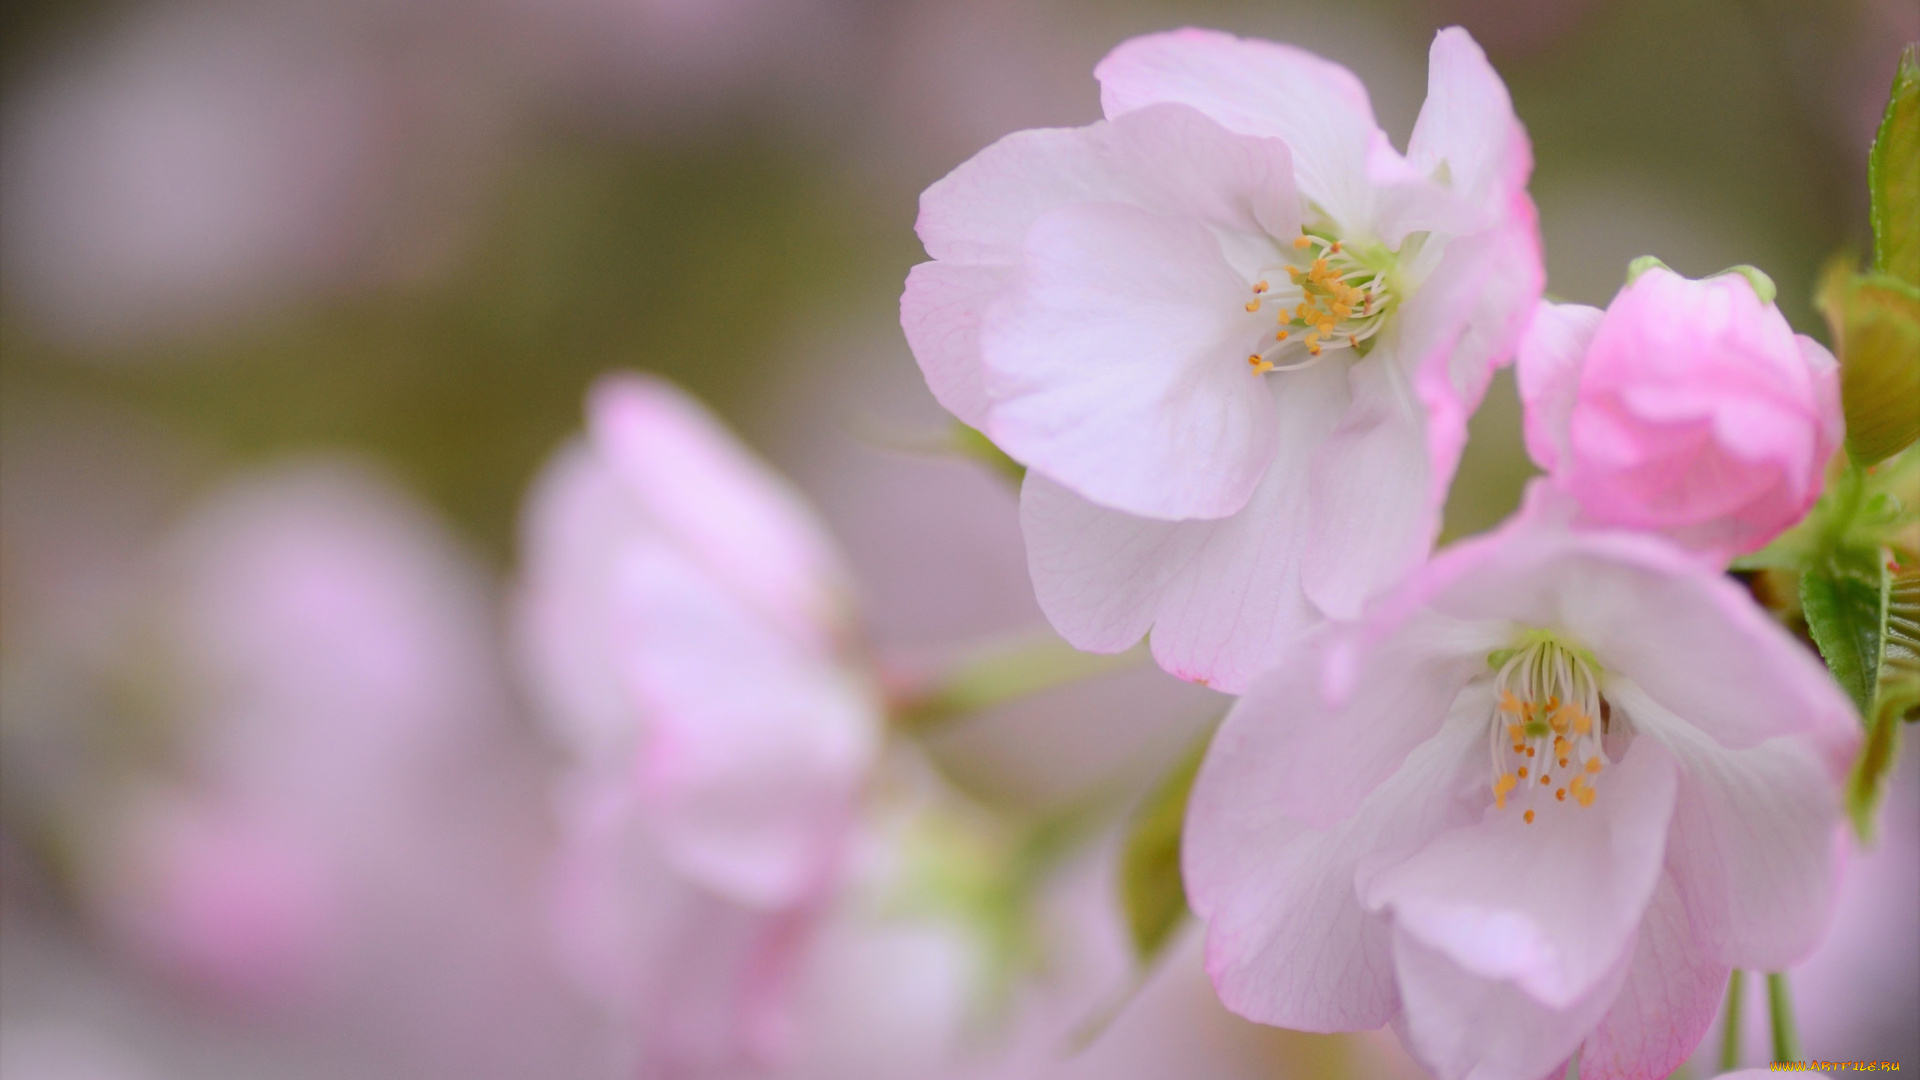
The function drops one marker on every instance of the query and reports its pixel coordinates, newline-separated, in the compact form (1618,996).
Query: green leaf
(1900,664)
(1893,177)
(1875,320)
(1150,889)
(1845,599)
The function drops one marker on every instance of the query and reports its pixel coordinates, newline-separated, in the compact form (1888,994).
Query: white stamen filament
(1548,717)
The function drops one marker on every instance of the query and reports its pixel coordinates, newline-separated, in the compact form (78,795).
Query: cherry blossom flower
(685,625)
(1233,334)
(1537,801)
(1687,407)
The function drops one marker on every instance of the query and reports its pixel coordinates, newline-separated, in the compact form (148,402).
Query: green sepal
(1151,892)
(1763,286)
(1844,597)
(1643,264)
(1875,319)
(1893,177)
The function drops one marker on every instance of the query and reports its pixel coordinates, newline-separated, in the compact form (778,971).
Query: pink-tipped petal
(1744,816)
(1468,124)
(1548,372)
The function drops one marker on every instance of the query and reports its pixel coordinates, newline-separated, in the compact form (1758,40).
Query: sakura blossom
(686,625)
(1536,802)
(1688,408)
(1233,334)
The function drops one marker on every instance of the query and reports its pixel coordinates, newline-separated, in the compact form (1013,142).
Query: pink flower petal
(1257,88)
(1669,1000)
(1221,597)
(1117,364)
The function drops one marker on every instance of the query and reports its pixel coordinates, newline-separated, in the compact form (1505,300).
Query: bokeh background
(263,255)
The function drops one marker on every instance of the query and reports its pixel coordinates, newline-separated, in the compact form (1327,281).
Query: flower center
(1548,722)
(1335,297)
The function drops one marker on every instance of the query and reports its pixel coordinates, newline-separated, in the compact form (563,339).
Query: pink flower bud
(1688,408)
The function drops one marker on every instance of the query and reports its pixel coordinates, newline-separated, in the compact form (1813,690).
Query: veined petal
(1468,1027)
(1549,905)
(1693,641)
(1371,492)
(1314,767)
(1258,88)
(1169,159)
(1467,125)
(1221,597)
(1549,375)
(1757,837)
(1287,940)
(941,311)
(1381,482)
(1117,365)
(1668,1000)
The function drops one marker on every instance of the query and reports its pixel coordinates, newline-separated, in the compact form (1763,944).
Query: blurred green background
(700,226)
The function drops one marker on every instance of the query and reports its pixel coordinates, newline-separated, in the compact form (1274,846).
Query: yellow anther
(1325,328)
(1529,751)
(1501,785)
(1561,746)
(1335,247)
(1302,242)
(1523,772)
(1546,780)
(1529,817)
(1319,267)
(1259,365)
(1302,311)
(1582,792)
(1260,286)
(1593,764)
(1561,795)
(1281,336)
(1582,723)
(1313,350)
(1509,703)
(1253,305)
(1294,272)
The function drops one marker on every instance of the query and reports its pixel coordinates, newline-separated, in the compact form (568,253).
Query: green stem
(1786,1044)
(1730,1030)
(1001,674)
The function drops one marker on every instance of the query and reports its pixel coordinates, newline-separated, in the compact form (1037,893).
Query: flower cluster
(1527,800)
